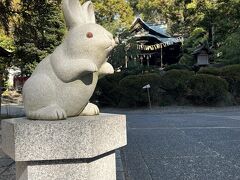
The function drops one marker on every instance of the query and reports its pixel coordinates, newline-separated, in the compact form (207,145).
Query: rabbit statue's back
(63,82)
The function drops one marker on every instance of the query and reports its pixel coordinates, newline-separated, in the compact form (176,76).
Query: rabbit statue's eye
(89,35)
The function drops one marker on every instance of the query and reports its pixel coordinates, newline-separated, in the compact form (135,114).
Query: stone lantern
(201,54)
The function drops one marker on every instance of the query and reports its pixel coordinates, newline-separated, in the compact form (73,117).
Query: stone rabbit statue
(63,82)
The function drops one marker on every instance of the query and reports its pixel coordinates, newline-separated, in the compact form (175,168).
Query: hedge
(107,92)
(175,82)
(207,89)
(210,71)
(177,67)
(210,86)
(232,75)
(132,91)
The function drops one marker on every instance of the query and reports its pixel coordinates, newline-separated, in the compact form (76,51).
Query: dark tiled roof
(155,31)
(4,52)
(202,46)
(159,30)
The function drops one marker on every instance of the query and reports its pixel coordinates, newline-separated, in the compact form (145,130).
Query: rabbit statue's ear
(88,10)
(73,13)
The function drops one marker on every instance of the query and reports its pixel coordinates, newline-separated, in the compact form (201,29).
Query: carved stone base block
(79,148)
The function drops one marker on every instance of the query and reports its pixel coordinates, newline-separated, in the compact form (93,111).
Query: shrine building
(157,47)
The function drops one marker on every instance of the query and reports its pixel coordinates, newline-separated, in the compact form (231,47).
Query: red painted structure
(18,82)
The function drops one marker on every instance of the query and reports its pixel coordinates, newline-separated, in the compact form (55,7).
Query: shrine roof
(201,47)
(154,29)
(4,52)
(149,30)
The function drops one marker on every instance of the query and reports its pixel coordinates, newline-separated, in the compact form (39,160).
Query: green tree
(226,25)
(7,44)
(155,10)
(38,26)
(126,48)
(113,14)
(179,14)
(39,30)
(197,37)
(226,18)
(230,49)
(7,15)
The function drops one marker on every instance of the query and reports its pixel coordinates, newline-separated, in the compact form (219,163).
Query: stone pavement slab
(183,146)
(191,168)
(119,164)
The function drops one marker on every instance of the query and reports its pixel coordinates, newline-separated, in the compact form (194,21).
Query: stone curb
(19,110)
(173,109)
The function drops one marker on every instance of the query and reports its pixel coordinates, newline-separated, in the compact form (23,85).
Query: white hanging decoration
(160,45)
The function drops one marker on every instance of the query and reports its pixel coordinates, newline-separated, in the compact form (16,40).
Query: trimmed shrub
(134,68)
(107,92)
(166,100)
(179,87)
(210,71)
(132,92)
(207,89)
(175,82)
(178,67)
(232,75)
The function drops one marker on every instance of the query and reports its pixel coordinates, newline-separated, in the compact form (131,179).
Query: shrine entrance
(157,47)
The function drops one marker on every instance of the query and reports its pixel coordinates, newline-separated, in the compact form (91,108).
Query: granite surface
(183,146)
(75,138)
(8,170)
(100,169)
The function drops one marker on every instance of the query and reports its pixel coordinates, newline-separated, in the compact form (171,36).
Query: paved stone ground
(183,146)
(12,110)
(120,169)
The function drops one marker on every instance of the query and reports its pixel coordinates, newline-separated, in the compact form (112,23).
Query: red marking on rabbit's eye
(89,35)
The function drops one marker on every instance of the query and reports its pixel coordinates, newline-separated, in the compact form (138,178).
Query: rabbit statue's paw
(90,110)
(106,68)
(52,112)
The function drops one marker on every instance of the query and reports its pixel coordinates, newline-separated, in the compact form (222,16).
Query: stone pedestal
(79,148)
